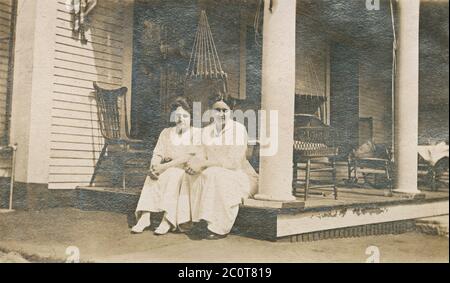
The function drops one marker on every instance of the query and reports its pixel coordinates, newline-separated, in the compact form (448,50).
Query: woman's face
(222,112)
(182,118)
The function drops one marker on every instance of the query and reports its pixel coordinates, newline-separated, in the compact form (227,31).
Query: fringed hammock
(205,78)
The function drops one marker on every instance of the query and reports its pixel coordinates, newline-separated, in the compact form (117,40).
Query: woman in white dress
(223,177)
(163,190)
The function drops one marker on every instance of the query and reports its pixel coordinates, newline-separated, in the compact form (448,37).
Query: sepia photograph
(224,131)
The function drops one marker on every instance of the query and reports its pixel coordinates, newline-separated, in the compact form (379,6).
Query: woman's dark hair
(227,99)
(183,102)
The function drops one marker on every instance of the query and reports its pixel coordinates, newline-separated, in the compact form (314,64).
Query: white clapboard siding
(76,140)
(373,101)
(67,170)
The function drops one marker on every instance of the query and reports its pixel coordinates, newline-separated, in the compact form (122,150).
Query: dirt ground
(58,234)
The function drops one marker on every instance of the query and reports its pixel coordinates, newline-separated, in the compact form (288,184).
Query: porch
(357,212)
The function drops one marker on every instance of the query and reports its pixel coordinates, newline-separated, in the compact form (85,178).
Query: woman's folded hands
(191,164)
(195,165)
(157,169)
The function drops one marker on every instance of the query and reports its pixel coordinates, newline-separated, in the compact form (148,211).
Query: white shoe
(143,223)
(163,228)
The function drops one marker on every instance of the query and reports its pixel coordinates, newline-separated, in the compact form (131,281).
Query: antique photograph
(224,131)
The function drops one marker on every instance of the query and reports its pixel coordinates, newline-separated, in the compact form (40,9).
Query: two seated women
(197,175)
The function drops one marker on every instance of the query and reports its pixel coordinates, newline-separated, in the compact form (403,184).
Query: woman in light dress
(222,178)
(163,190)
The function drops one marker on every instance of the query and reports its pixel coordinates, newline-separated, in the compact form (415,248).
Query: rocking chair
(371,161)
(314,152)
(113,123)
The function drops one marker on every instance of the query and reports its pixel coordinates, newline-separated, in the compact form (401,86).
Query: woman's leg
(216,196)
(164,227)
(149,198)
(146,204)
(160,196)
(184,210)
(143,223)
(170,184)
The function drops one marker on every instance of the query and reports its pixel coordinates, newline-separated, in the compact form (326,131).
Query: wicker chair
(433,175)
(113,123)
(314,145)
(371,161)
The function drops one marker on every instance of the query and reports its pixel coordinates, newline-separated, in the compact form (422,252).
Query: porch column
(407,97)
(32,88)
(278,94)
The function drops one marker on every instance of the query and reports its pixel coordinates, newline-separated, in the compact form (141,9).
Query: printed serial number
(246,272)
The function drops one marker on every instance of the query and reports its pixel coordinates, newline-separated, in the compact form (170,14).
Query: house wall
(53,78)
(375,98)
(433,124)
(434,72)
(75,140)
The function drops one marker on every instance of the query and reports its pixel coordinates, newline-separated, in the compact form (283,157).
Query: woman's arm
(158,169)
(234,160)
(175,163)
(235,153)
(157,156)
(232,157)
(159,150)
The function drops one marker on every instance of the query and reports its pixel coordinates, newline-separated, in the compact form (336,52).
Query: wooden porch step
(110,171)
(433,225)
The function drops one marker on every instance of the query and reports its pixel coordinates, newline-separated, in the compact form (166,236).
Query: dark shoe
(213,236)
(195,237)
(198,231)
(185,227)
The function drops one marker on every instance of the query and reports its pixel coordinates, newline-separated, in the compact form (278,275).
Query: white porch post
(407,98)
(32,88)
(278,93)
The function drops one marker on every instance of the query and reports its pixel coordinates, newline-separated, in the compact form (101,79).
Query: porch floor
(358,196)
(323,198)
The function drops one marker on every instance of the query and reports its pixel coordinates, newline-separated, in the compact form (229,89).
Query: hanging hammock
(205,69)
(312,87)
(311,97)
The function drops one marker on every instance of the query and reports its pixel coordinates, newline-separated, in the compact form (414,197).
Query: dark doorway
(163,33)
